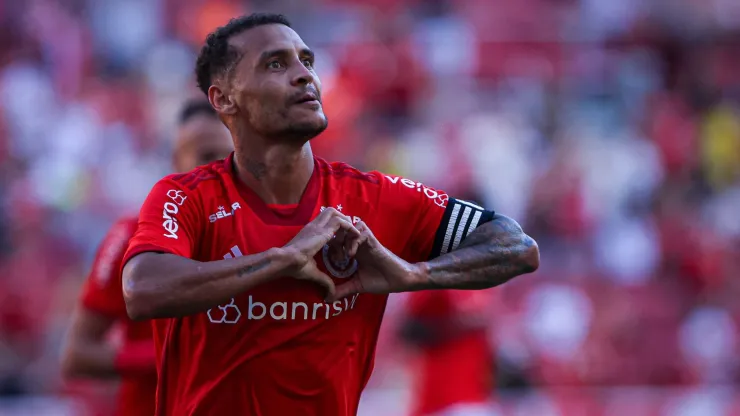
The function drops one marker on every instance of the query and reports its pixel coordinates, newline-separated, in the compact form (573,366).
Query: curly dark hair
(216,57)
(194,108)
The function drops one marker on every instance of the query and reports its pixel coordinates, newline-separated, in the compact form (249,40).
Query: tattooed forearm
(162,285)
(253,268)
(491,255)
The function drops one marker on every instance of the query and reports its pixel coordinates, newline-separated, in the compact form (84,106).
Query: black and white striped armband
(459,220)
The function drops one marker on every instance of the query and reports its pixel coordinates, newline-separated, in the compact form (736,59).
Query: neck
(278,173)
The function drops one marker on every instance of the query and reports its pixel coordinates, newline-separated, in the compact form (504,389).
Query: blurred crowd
(609,129)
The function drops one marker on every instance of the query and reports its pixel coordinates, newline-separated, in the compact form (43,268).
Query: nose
(302,76)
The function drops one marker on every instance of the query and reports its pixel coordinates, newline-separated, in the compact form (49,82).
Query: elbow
(70,366)
(530,255)
(140,304)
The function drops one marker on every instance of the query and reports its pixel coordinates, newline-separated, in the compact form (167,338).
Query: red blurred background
(609,128)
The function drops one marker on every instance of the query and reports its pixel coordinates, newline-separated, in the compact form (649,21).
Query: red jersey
(103,294)
(278,349)
(458,370)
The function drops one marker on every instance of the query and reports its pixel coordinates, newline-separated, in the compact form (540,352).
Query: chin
(308,129)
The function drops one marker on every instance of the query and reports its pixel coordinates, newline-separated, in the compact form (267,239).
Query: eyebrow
(266,55)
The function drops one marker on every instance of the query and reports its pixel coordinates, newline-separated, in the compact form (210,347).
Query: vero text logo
(440,198)
(170,209)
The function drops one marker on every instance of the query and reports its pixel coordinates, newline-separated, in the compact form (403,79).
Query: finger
(353,241)
(317,276)
(347,289)
(364,229)
(345,225)
(353,244)
(366,235)
(337,251)
(325,215)
(339,237)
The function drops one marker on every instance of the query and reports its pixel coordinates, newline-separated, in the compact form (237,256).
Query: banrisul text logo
(301,311)
(231,313)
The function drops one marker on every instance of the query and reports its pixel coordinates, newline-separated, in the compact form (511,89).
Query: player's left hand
(380,271)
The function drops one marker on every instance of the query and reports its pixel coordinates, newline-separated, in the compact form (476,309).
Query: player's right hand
(313,237)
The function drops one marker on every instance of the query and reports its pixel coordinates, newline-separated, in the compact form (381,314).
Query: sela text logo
(440,198)
(169,211)
(340,208)
(222,213)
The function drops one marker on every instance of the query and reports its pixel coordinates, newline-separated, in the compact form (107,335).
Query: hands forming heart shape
(378,269)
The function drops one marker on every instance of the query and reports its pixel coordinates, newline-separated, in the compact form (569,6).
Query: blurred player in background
(452,371)
(270,283)
(201,138)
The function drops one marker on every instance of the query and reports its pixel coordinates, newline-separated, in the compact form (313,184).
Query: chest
(235,230)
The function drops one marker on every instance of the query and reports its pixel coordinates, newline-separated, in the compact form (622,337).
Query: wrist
(286,259)
(419,277)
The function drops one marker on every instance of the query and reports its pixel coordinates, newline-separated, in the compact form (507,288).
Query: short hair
(195,108)
(216,57)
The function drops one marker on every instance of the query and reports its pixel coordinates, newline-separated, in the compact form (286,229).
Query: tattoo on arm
(253,268)
(491,255)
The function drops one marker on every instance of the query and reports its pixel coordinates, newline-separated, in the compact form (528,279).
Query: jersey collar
(300,216)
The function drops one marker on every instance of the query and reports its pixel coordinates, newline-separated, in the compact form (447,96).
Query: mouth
(308,98)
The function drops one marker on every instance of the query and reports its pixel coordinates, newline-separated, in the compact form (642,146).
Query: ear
(221,102)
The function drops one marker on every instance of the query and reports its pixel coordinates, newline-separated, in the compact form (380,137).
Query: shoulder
(346,174)
(122,229)
(199,178)
(346,179)
(193,184)
(391,188)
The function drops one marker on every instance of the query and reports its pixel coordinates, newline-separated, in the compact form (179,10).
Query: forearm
(429,333)
(100,360)
(491,255)
(89,359)
(165,285)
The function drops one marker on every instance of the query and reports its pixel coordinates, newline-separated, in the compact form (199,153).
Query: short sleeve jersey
(278,349)
(103,294)
(102,291)
(457,371)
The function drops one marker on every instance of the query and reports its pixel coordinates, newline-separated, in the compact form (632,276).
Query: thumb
(317,276)
(347,289)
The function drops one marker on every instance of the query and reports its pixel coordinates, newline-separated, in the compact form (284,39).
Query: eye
(308,63)
(274,65)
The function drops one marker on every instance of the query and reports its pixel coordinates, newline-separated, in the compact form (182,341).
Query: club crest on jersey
(340,270)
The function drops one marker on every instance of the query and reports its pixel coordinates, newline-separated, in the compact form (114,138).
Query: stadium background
(609,128)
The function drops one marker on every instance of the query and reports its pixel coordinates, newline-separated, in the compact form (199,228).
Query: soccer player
(201,138)
(452,373)
(270,270)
